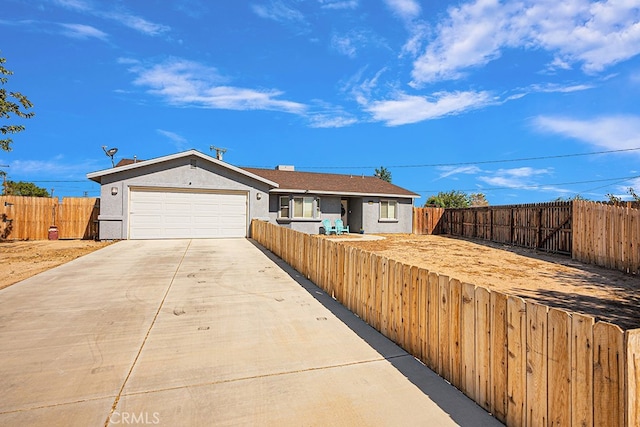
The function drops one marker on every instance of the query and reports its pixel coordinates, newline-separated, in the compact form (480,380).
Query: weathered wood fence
(527,364)
(544,226)
(595,233)
(427,220)
(30,217)
(607,235)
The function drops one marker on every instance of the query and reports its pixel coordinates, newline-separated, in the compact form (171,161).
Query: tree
(478,199)
(570,199)
(449,199)
(22,188)
(457,199)
(616,199)
(9,108)
(383,173)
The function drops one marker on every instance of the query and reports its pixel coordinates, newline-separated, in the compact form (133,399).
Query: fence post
(632,378)
(608,375)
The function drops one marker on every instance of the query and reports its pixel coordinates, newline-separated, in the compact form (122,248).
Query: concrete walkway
(200,333)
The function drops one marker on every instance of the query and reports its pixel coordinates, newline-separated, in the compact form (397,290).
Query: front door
(344,211)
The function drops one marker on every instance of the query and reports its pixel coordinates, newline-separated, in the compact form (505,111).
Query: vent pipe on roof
(285,168)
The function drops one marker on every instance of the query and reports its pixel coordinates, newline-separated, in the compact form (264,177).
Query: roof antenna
(219,151)
(110,153)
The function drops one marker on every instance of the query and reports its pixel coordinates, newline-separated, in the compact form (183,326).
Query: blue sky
(446,95)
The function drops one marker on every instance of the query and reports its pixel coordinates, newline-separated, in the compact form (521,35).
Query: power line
(534,186)
(480,162)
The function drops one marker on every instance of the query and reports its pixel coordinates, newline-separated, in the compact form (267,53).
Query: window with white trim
(283,209)
(388,209)
(303,207)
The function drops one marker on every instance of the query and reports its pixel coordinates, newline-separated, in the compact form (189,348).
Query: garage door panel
(173,214)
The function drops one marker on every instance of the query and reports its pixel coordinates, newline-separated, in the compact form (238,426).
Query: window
(283,211)
(303,207)
(388,209)
(299,207)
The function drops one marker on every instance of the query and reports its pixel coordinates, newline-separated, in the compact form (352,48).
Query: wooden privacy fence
(24,218)
(543,226)
(595,233)
(427,220)
(607,235)
(526,363)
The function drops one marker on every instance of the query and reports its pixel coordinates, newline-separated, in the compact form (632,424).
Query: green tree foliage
(9,108)
(457,199)
(616,199)
(448,199)
(22,188)
(383,173)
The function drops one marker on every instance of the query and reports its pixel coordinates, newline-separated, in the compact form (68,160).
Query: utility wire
(481,162)
(534,186)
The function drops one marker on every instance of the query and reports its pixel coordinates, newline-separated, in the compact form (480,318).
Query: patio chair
(340,227)
(328,228)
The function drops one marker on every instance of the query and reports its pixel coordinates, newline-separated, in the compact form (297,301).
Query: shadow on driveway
(462,410)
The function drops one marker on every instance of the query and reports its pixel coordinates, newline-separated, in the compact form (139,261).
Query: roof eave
(95,176)
(343,193)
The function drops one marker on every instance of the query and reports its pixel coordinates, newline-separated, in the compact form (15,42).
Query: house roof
(326,183)
(127,164)
(282,181)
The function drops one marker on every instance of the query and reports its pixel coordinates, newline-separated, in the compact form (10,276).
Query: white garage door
(169,214)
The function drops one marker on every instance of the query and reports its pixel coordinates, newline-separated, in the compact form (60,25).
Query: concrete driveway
(199,333)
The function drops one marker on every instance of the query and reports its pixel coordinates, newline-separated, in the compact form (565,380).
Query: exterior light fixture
(259,196)
(114,191)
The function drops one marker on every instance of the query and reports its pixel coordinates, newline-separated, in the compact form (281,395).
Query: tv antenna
(110,153)
(219,151)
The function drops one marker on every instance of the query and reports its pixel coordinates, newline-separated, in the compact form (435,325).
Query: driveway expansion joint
(153,322)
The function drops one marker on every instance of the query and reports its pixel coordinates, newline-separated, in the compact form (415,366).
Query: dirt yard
(20,260)
(552,280)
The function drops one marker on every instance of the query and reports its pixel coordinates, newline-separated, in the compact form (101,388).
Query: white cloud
(418,34)
(277,11)
(137,23)
(352,42)
(129,20)
(331,121)
(555,88)
(73,4)
(594,35)
(344,45)
(610,132)
(448,171)
(187,83)
(405,109)
(80,31)
(521,178)
(180,142)
(406,9)
(338,4)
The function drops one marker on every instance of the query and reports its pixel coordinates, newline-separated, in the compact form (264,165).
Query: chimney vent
(290,168)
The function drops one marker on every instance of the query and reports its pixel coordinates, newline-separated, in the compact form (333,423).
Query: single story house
(193,195)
